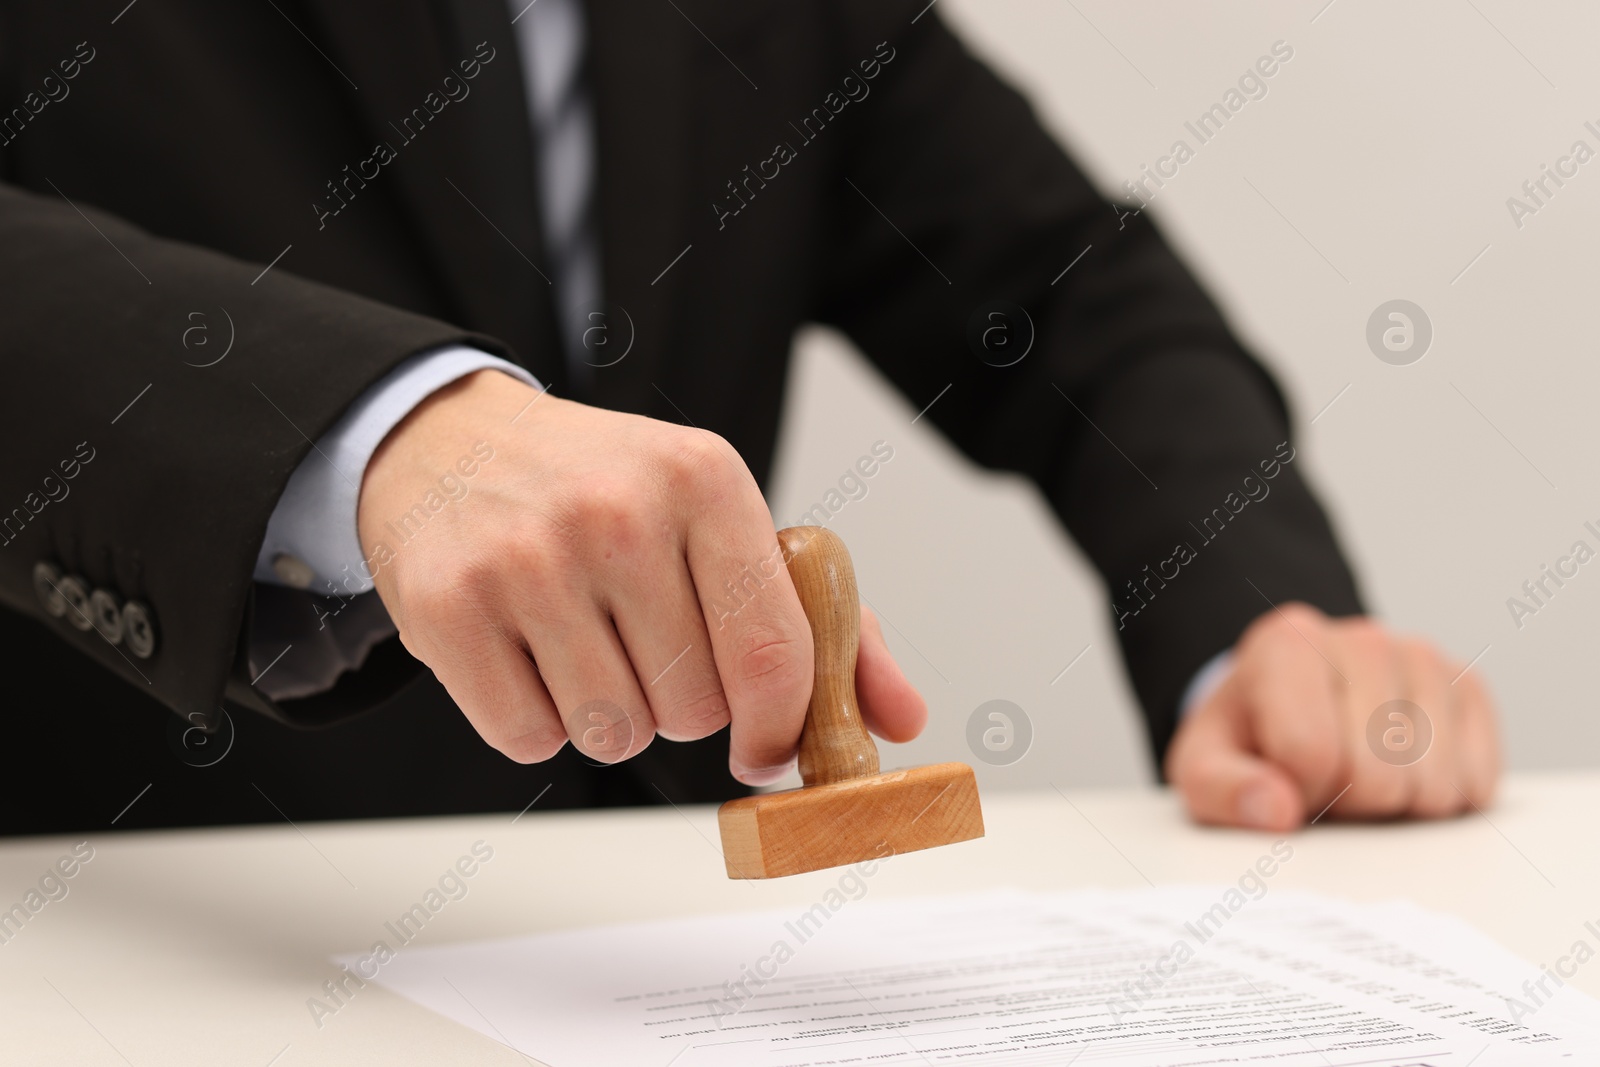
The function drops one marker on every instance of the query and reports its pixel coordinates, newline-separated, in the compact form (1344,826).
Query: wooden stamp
(847,811)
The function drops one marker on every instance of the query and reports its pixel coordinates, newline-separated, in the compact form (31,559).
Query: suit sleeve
(1148,427)
(186,461)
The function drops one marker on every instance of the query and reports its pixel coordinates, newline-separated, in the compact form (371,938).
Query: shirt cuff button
(293,571)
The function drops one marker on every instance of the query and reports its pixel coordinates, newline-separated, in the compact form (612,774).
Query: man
(285,286)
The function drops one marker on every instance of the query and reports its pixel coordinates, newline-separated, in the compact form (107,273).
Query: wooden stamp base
(776,834)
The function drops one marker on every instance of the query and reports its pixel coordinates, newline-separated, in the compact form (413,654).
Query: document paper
(1170,977)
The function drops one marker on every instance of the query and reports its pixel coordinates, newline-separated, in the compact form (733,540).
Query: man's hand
(1300,723)
(601,578)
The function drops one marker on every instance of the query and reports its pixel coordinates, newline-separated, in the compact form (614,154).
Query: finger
(1288,688)
(588,673)
(1369,660)
(1435,769)
(890,705)
(760,638)
(1222,781)
(658,617)
(1478,743)
(495,685)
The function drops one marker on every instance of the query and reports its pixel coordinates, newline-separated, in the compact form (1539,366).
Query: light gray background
(1381,160)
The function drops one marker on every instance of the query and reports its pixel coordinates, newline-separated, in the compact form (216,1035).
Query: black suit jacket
(752,177)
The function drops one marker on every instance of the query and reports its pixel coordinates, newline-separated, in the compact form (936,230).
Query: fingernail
(1255,806)
(760,775)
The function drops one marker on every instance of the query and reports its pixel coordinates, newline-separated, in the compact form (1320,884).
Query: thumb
(1222,782)
(890,705)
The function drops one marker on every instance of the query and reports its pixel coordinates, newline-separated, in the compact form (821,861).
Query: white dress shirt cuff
(312,541)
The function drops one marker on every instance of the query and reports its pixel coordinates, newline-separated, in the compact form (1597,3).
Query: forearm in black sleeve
(1135,411)
(186,462)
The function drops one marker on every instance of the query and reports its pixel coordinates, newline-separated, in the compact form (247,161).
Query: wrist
(432,447)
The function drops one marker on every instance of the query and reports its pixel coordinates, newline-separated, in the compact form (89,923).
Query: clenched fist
(1343,712)
(602,578)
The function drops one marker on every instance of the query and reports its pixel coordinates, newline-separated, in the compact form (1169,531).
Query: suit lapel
(640,77)
(465,174)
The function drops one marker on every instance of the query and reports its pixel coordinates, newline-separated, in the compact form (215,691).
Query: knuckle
(1286,622)
(543,554)
(687,455)
(606,731)
(1368,639)
(1300,613)
(474,577)
(699,716)
(530,558)
(770,664)
(701,462)
(1297,615)
(608,510)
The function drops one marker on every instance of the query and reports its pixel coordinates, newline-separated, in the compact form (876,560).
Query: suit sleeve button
(139,629)
(105,611)
(47,587)
(76,594)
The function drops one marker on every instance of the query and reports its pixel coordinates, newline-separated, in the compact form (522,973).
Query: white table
(202,947)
